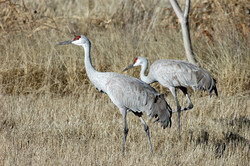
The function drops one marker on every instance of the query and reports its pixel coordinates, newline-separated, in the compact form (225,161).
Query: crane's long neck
(90,70)
(97,78)
(143,76)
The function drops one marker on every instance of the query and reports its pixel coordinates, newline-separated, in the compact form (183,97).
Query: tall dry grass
(50,114)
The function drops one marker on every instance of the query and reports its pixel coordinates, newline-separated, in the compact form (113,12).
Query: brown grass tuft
(50,114)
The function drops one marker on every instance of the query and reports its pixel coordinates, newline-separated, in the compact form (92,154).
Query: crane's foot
(188,108)
(185,109)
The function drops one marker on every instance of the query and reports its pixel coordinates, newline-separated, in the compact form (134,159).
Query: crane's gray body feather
(137,96)
(177,73)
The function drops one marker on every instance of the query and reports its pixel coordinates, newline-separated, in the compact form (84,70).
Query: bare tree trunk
(183,17)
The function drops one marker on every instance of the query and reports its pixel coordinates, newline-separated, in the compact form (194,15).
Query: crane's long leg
(190,106)
(173,91)
(146,128)
(125,130)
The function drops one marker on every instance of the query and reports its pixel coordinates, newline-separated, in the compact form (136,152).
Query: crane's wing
(131,93)
(178,73)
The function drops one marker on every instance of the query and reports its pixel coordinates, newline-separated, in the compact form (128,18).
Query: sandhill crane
(176,74)
(127,93)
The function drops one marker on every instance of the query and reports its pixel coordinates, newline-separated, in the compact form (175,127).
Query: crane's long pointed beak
(65,42)
(129,67)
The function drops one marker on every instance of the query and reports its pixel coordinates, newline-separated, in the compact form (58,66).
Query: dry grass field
(50,114)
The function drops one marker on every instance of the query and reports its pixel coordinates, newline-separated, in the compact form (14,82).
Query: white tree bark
(183,18)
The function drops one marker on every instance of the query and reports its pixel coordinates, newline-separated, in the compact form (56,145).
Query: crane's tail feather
(206,83)
(216,92)
(162,111)
(213,88)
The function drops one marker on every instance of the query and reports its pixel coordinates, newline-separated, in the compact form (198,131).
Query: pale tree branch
(187,9)
(185,29)
(177,9)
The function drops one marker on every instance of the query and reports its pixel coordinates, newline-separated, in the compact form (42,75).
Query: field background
(50,114)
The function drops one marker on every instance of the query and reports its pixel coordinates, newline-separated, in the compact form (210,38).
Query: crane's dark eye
(135,60)
(77,37)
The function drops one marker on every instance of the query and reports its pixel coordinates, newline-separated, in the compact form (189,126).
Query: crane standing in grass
(176,74)
(127,93)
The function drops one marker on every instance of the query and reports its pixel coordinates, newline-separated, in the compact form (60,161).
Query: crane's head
(138,61)
(78,40)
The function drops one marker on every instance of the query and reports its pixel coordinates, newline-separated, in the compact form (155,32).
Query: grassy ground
(50,114)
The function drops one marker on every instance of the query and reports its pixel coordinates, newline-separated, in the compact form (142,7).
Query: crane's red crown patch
(135,60)
(77,37)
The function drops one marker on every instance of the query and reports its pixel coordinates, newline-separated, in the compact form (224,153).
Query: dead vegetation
(51,114)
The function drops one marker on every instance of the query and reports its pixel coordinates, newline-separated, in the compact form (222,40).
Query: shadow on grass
(228,139)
